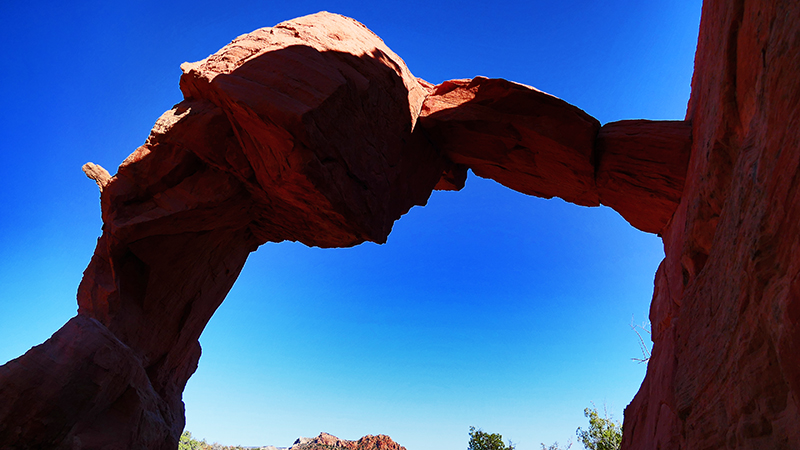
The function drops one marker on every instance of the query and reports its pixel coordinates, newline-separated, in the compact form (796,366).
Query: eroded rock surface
(516,135)
(642,168)
(725,367)
(298,132)
(540,145)
(315,131)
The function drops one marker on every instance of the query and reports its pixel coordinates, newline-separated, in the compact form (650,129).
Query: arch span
(315,131)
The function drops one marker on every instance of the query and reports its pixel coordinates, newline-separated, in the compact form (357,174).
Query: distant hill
(327,441)
(324,441)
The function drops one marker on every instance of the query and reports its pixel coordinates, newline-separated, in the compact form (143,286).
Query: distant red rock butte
(327,441)
(315,131)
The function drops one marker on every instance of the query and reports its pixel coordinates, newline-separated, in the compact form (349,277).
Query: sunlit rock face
(327,441)
(315,131)
(540,145)
(516,135)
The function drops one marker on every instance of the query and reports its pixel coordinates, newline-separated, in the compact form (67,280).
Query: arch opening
(524,308)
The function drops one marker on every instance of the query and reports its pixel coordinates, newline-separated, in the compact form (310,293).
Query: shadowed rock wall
(725,367)
(315,131)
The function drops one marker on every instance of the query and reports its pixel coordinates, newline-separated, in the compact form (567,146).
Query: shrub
(479,440)
(603,432)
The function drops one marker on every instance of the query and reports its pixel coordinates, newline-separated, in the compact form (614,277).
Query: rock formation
(327,441)
(315,131)
(725,367)
(540,145)
(516,135)
(301,132)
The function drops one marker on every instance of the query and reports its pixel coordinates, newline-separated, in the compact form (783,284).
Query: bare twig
(642,346)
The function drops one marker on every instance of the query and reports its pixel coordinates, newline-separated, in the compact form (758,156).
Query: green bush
(187,442)
(478,440)
(603,432)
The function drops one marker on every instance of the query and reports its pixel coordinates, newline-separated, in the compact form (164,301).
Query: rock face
(82,388)
(326,441)
(540,145)
(301,132)
(725,371)
(642,169)
(516,135)
(315,131)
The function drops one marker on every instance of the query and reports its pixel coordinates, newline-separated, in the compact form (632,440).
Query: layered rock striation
(315,131)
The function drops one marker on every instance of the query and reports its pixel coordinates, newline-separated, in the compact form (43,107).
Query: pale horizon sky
(485,308)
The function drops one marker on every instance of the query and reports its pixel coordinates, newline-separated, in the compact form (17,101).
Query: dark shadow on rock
(296,144)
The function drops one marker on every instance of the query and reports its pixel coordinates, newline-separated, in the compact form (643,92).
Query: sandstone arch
(332,158)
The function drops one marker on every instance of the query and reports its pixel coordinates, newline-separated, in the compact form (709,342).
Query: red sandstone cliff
(315,131)
(725,367)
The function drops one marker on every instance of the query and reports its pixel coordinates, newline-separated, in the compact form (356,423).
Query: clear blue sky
(485,308)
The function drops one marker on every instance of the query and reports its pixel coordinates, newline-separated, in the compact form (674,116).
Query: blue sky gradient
(486,307)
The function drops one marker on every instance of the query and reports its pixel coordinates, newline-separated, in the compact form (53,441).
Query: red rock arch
(315,131)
